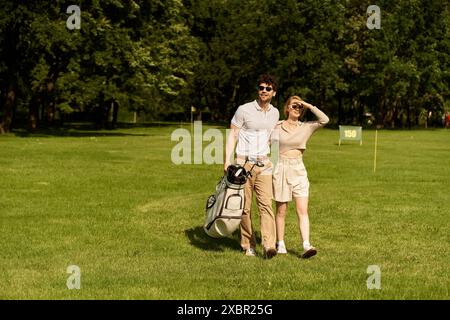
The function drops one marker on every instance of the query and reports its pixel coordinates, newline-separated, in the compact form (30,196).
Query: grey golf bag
(225,207)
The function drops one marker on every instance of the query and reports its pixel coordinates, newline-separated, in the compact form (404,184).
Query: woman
(290,178)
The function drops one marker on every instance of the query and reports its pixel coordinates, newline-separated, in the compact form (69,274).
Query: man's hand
(225,166)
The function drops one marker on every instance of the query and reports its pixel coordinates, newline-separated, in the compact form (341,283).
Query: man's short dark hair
(269,79)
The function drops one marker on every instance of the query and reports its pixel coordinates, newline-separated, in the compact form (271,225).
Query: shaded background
(139,61)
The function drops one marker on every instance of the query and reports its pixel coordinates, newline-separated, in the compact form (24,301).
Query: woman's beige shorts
(290,179)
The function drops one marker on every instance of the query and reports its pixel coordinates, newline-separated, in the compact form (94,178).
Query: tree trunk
(361,113)
(235,89)
(48,105)
(112,114)
(50,114)
(33,115)
(323,97)
(408,117)
(115,113)
(340,111)
(394,120)
(214,107)
(10,101)
(380,116)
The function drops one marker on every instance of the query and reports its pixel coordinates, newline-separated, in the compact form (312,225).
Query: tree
(161,57)
(133,53)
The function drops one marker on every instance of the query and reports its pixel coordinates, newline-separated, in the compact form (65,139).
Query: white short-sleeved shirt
(255,127)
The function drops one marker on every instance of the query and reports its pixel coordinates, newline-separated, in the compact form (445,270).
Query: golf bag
(225,207)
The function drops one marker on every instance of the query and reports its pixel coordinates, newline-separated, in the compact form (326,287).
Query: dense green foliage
(162,57)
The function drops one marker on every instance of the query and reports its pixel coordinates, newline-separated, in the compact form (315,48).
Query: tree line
(163,57)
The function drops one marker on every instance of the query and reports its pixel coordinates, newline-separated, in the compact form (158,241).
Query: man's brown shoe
(270,253)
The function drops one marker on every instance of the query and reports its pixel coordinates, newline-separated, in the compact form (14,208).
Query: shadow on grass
(87,129)
(79,130)
(198,238)
(299,254)
(295,253)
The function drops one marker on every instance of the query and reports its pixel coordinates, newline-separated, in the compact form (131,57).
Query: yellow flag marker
(192,117)
(375,156)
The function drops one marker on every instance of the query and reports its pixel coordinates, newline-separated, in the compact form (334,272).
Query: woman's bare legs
(301,205)
(280,220)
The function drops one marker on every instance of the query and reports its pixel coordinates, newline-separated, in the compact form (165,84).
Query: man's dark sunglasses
(261,88)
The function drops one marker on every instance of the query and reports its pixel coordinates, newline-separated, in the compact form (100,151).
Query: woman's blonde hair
(288,102)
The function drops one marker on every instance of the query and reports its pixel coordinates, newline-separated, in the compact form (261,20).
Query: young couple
(254,127)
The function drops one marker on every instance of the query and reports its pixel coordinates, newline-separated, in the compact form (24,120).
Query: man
(251,128)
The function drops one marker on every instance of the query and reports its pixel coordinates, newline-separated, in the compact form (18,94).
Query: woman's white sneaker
(281,248)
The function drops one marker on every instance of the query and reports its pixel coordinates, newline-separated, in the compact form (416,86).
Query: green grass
(113,203)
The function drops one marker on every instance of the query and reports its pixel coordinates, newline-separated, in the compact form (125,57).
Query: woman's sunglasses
(297,107)
(261,88)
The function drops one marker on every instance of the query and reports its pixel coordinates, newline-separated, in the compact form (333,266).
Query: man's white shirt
(256,126)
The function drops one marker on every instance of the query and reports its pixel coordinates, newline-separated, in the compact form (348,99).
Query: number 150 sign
(351,133)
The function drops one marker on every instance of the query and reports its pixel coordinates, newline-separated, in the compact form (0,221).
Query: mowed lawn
(114,204)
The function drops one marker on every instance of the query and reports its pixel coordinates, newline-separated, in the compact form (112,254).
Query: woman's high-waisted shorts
(290,179)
